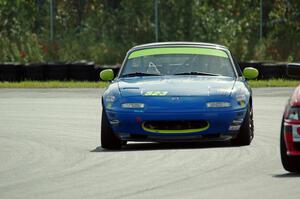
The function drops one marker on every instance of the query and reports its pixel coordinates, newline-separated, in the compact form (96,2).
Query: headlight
(110,98)
(241,100)
(133,105)
(218,104)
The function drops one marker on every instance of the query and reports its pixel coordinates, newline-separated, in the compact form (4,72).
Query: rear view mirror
(107,75)
(250,73)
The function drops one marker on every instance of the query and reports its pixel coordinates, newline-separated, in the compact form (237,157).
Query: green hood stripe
(174,50)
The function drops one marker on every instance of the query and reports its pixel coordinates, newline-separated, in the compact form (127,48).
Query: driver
(152,69)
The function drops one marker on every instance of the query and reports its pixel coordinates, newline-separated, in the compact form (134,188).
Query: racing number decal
(156,93)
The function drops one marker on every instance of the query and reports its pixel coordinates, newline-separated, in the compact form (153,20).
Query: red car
(290,134)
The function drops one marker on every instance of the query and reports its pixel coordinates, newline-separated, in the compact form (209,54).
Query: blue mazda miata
(179,92)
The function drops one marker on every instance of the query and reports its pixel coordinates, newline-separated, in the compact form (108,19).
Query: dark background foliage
(103,30)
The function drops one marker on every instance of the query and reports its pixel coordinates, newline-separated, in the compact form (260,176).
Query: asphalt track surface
(50,148)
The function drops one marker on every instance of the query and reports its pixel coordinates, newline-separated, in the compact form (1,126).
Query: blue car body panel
(185,99)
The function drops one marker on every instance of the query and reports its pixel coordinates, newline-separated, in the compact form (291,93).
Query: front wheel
(289,163)
(108,139)
(246,133)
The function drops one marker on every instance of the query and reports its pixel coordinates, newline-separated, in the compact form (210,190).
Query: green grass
(85,84)
(273,83)
(53,84)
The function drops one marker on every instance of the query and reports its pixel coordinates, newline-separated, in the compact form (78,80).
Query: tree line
(103,30)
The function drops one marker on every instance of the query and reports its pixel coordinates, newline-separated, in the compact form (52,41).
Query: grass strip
(86,84)
(53,84)
(273,83)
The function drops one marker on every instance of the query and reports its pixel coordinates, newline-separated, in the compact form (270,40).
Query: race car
(290,134)
(177,92)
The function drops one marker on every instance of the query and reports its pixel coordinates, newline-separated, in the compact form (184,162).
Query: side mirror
(107,75)
(250,73)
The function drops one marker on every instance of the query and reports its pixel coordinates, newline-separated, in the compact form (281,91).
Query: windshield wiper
(198,73)
(139,74)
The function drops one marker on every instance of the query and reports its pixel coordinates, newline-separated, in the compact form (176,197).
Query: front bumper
(223,125)
(174,138)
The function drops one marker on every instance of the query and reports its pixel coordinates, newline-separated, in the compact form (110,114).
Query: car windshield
(178,61)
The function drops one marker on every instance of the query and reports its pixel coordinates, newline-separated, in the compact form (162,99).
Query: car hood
(176,86)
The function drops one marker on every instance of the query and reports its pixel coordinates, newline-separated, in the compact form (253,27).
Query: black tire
(108,139)
(289,163)
(246,133)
